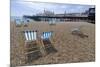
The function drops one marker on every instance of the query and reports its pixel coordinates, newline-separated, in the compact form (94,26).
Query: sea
(12,18)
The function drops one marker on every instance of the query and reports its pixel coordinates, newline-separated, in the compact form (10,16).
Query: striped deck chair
(18,22)
(52,22)
(25,22)
(49,48)
(32,50)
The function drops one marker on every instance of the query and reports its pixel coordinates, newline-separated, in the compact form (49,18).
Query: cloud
(22,7)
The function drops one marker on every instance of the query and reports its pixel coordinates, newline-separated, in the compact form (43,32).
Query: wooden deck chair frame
(47,47)
(31,49)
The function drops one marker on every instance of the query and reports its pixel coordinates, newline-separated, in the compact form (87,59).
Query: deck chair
(49,48)
(32,51)
(25,22)
(52,22)
(18,22)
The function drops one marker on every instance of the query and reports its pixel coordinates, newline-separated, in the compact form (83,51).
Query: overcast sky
(23,7)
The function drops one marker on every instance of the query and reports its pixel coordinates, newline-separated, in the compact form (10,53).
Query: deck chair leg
(42,48)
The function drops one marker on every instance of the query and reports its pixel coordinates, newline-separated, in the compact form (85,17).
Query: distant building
(91,15)
(51,16)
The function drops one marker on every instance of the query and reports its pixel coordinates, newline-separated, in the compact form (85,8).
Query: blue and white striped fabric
(52,21)
(30,35)
(18,21)
(46,35)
